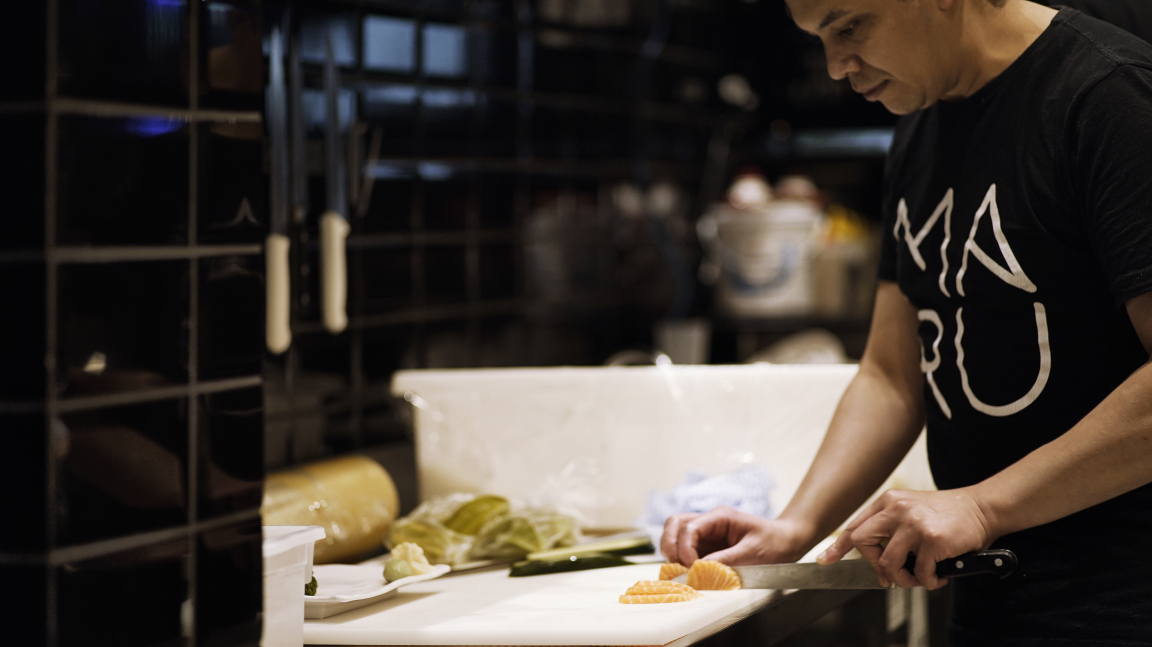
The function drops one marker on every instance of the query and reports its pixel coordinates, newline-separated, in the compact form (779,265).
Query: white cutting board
(490,608)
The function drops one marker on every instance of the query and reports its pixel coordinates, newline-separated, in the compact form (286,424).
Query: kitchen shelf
(106,400)
(97,254)
(96,549)
(101,108)
(653,110)
(591,169)
(585,38)
(423,314)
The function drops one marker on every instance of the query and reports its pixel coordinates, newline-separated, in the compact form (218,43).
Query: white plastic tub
(287,568)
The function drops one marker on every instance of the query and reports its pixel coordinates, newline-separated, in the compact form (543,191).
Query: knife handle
(277,326)
(334,271)
(1000,563)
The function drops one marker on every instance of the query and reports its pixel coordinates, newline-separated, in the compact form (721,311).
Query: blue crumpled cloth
(746,490)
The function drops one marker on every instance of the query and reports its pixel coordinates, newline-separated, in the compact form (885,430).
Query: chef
(1013,317)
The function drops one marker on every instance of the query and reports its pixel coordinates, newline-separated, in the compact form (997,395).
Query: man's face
(889,50)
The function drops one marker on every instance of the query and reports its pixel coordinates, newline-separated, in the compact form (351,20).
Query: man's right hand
(732,537)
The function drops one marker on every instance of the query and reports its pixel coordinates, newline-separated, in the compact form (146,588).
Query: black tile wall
(122,327)
(384,350)
(387,280)
(233,196)
(495,127)
(308,280)
(497,271)
(21,39)
(124,50)
(131,406)
(121,471)
(231,452)
(25,601)
(134,597)
(229,580)
(390,207)
(22,166)
(497,208)
(122,181)
(494,57)
(396,106)
(446,204)
(24,286)
(446,279)
(231,323)
(448,121)
(23,474)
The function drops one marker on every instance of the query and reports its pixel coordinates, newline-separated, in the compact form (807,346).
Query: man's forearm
(870,434)
(1106,454)
(875,423)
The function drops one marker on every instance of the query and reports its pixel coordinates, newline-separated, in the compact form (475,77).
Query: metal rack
(442,271)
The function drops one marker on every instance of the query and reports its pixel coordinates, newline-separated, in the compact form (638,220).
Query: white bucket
(765,256)
(287,568)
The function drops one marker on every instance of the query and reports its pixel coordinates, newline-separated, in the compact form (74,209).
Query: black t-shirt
(1018,223)
(1134,16)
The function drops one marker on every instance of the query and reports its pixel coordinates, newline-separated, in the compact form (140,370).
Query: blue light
(152,126)
(843,141)
(433,172)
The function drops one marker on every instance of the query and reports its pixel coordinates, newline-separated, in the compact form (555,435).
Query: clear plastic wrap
(492,528)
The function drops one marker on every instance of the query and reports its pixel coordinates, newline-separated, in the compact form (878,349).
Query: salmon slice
(707,575)
(669,571)
(654,599)
(661,587)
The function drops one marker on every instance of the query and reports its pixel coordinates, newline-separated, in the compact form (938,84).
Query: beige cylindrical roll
(353,498)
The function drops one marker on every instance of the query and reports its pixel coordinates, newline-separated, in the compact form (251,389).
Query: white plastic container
(287,568)
(765,256)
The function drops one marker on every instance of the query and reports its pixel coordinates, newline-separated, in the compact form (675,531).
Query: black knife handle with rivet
(1000,563)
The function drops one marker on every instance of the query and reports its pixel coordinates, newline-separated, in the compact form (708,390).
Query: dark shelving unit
(131,407)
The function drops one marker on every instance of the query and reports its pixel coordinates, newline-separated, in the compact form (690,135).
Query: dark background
(138,408)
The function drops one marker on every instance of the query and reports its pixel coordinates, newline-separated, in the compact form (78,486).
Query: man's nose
(841,62)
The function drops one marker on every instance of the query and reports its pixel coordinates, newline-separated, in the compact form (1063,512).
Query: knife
(334,223)
(859,574)
(278,333)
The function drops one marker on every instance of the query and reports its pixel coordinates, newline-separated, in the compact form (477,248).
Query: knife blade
(859,574)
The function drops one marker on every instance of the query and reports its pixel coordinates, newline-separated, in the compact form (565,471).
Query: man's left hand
(933,525)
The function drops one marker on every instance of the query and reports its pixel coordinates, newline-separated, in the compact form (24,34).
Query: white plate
(344,587)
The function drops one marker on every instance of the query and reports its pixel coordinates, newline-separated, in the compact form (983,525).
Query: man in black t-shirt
(1013,318)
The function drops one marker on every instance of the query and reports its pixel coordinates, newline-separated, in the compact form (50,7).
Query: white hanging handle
(334,271)
(277,332)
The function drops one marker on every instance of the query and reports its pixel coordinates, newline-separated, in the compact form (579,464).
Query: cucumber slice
(567,565)
(622,546)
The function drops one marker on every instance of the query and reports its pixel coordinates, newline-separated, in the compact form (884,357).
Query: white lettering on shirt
(1012,275)
(929,368)
(1041,377)
(945,207)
